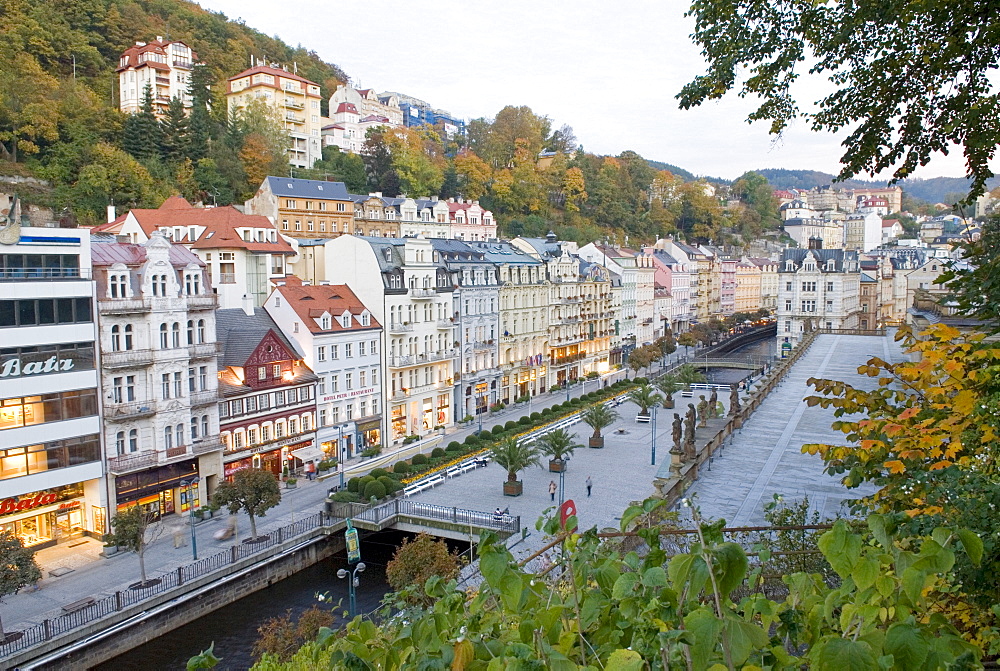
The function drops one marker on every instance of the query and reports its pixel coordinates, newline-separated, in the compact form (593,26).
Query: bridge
(414,516)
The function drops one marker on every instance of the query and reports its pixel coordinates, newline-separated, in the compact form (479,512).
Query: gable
(270,349)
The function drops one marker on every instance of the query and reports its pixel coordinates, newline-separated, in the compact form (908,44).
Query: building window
(128,336)
(361,379)
(290,204)
(194,428)
(347,382)
(165,385)
(349,412)
(321,353)
(333,384)
(190,332)
(116,338)
(204,425)
(201,331)
(809,306)
(276,370)
(788,306)
(322,417)
(120,442)
(347,350)
(164,340)
(808,286)
(133,440)
(361,348)
(175,335)
(829,286)
(178,385)
(333,352)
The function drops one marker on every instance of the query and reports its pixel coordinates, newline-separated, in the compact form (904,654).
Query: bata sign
(13,367)
(14,505)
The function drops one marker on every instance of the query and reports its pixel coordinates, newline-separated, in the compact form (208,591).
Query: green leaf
(885,585)
(973,545)
(730,564)
(907,645)
(493,566)
(840,654)
(679,569)
(511,588)
(841,548)
(624,660)
(913,584)
(654,576)
(880,527)
(624,586)
(630,514)
(705,628)
(744,639)
(865,572)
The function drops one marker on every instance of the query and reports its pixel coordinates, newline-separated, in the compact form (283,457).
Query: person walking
(498,516)
(589,483)
(552,490)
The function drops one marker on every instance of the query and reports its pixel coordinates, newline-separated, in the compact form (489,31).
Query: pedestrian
(590,483)
(552,490)
(310,470)
(497,516)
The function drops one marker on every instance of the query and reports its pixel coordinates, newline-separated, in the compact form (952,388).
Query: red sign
(567,510)
(14,505)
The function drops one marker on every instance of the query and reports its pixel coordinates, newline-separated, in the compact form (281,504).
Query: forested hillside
(59,121)
(934,190)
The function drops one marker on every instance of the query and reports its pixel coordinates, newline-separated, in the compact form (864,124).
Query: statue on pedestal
(713,404)
(702,411)
(677,433)
(734,401)
(689,449)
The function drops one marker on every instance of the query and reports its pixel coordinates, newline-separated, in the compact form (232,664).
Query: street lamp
(352,584)
(480,387)
(194,539)
(653,435)
(562,482)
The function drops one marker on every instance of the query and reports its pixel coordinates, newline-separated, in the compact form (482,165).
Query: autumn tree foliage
(417,560)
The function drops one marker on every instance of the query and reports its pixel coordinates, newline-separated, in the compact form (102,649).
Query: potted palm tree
(598,417)
(514,457)
(557,445)
(645,397)
(688,375)
(669,385)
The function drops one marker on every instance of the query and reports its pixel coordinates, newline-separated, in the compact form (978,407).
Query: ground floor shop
(164,490)
(420,416)
(274,460)
(45,518)
(523,380)
(477,397)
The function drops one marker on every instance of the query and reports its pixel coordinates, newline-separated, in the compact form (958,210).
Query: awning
(309,453)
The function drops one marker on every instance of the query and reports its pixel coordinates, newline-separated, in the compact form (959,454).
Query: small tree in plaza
(133,531)
(18,568)
(669,385)
(514,456)
(254,491)
(688,375)
(417,560)
(557,445)
(599,417)
(645,397)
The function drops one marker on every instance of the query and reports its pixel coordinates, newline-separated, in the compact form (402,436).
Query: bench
(433,482)
(643,419)
(453,471)
(413,489)
(79,605)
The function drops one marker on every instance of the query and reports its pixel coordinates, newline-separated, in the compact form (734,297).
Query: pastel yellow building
(748,283)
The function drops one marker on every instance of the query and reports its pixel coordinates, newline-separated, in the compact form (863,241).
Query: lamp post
(653,435)
(480,385)
(340,454)
(562,482)
(194,539)
(352,584)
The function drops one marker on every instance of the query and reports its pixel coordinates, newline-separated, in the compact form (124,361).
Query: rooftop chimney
(111,213)
(815,243)
(248,304)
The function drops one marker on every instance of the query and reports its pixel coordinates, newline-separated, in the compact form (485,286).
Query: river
(761,348)
(234,627)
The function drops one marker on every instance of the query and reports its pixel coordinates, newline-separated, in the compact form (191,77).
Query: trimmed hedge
(401,467)
(472,439)
(535,416)
(454,446)
(353,485)
(437,453)
(510,425)
(418,459)
(390,485)
(524,421)
(378,473)
(375,489)
(363,482)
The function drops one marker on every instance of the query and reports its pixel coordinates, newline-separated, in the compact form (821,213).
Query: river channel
(233,628)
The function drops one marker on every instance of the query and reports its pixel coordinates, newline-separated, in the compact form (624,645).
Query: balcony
(182,64)
(123,306)
(399,395)
(506,338)
(204,350)
(481,346)
(203,302)
(133,410)
(422,293)
(207,445)
(127,463)
(207,397)
(451,353)
(165,81)
(571,300)
(445,324)
(137,461)
(132,358)
(227,278)
(33,274)
(294,104)
(294,118)
(397,361)
(396,329)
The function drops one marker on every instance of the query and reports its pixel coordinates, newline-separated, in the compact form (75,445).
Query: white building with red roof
(243,252)
(340,340)
(470,221)
(163,65)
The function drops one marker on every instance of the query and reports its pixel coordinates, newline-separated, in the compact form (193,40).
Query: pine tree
(202,127)
(142,130)
(175,132)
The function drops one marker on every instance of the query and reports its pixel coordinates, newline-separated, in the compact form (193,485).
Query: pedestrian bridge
(414,516)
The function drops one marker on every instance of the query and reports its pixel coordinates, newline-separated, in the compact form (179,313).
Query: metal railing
(386,513)
(126,358)
(132,410)
(170,581)
(400,328)
(422,292)
(18,274)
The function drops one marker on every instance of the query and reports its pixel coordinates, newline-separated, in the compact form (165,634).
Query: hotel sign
(348,394)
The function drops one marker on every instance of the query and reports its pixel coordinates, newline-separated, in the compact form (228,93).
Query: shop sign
(13,367)
(17,505)
(353,544)
(349,394)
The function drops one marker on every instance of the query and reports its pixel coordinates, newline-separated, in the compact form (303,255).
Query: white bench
(643,419)
(434,482)
(453,471)
(470,466)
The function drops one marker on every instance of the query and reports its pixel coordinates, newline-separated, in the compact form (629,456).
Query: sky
(609,70)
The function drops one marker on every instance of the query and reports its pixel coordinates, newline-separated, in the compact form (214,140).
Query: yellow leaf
(895,466)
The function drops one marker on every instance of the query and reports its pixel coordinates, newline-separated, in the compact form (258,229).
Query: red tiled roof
(311,302)
(266,69)
(346,107)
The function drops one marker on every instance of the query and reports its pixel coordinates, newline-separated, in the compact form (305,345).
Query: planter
(514,488)
(596,442)
(291,484)
(557,465)
(668,403)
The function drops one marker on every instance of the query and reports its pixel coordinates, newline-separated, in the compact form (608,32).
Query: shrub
(524,421)
(411,439)
(401,467)
(363,482)
(389,484)
(371,452)
(510,425)
(472,439)
(437,453)
(557,407)
(378,473)
(535,416)
(418,459)
(374,489)
(640,380)
(454,446)
(346,497)
(353,485)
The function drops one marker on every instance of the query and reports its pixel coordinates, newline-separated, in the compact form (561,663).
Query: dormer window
(831,265)
(345,320)
(789,265)
(324,322)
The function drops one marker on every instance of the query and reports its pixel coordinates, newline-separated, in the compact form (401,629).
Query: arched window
(194,428)
(204,425)
(201,330)
(163,285)
(168,438)
(164,343)
(116,338)
(179,434)
(128,336)
(190,331)
(120,442)
(176,333)
(133,440)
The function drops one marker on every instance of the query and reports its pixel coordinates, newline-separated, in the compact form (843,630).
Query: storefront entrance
(158,491)
(42,519)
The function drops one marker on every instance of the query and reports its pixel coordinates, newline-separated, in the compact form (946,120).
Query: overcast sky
(609,70)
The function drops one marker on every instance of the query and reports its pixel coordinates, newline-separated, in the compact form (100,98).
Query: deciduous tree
(253,490)
(133,530)
(416,561)
(18,568)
